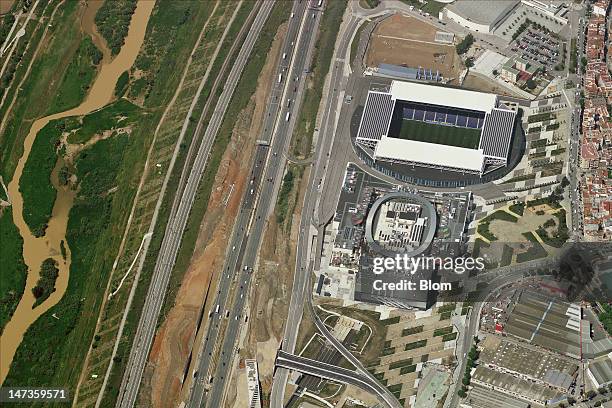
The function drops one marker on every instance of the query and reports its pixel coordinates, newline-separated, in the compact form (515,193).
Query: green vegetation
(395,389)
(465,44)
(483,225)
(408,369)
(390,321)
(439,134)
(48,342)
(412,330)
(538,143)
(35,184)
(113,21)
(506,257)
(518,208)
(433,7)
(500,215)
(46,283)
(445,315)
(122,84)
(121,113)
(605,317)
(573,56)
(523,177)
(443,331)
(14,270)
(535,129)
(483,229)
(449,337)
(78,77)
(447,308)
(322,55)
(520,29)
(415,345)
(388,351)
(531,84)
(62,41)
(355,42)
(283,196)
(537,155)
(560,236)
(551,200)
(557,152)
(541,117)
(369,4)
(400,363)
(535,251)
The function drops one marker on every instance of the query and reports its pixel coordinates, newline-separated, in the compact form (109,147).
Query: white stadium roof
(422,152)
(443,96)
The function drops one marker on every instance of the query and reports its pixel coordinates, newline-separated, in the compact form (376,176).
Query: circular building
(400,223)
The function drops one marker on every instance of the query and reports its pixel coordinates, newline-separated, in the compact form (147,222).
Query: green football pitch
(439,134)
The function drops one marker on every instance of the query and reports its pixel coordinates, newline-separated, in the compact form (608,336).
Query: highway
(176,226)
(327,371)
(302,289)
(216,354)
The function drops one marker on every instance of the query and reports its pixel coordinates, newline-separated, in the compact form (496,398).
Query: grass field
(438,134)
(35,184)
(52,351)
(78,77)
(13,276)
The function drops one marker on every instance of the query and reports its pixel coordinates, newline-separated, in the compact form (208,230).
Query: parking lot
(539,48)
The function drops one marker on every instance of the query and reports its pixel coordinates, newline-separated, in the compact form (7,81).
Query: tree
(465,44)
(591,394)
(469,62)
(530,83)
(462,393)
(495,72)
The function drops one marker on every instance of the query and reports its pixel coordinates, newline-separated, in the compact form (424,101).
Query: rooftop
(474,10)
(443,96)
(422,152)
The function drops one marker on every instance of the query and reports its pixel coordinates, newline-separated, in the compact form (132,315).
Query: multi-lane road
(176,225)
(216,354)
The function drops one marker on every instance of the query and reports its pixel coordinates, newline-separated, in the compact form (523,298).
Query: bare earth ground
(407,41)
(513,231)
(175,336)
(5,6)
(478,83)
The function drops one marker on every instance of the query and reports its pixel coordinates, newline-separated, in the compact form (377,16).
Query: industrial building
(437,127)
(473,16)
(546,322)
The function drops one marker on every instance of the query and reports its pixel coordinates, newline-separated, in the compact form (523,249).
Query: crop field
(439,134)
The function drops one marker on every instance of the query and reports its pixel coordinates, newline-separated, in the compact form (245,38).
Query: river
(35,250)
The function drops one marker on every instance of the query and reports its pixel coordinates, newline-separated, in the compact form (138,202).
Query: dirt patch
(479,83)
(409,42)
(175,337)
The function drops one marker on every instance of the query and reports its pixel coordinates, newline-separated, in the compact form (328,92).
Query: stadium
(437,127)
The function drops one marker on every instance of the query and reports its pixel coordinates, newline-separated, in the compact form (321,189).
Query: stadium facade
(437,127)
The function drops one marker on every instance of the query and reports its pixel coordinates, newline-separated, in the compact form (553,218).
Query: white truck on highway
(287,117)
(280,78)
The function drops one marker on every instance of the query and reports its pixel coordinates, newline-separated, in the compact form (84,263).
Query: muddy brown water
(35,250)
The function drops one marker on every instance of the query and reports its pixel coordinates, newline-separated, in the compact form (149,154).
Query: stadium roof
(474,10)
(426,153)
(497,132)
(443,96)
(376,115)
